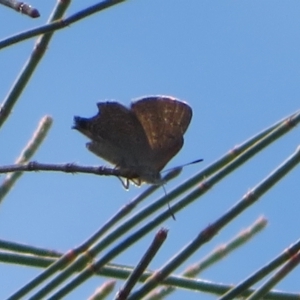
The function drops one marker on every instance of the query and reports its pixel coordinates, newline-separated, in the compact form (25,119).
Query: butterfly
(139,140)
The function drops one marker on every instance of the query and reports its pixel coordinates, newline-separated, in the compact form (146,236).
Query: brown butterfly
(141,140)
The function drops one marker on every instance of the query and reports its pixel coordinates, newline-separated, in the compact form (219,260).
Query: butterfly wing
(117,135)
(164,120)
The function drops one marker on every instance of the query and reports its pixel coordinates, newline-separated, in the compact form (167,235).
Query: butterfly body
(140,140)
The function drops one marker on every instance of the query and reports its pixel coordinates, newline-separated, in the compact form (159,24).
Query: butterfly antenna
(173,172)
(184,165)
(169,207)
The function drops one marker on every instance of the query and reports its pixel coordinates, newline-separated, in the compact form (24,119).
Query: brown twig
(21,7)
(67,168)
(134,277)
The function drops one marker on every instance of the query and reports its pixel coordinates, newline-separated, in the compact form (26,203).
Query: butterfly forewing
(164,120)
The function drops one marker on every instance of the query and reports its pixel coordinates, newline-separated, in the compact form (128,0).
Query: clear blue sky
(236,63)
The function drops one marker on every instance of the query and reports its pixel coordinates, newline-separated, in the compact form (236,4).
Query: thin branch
(21,7)
(122,272)
(214,257)
(67,168)
(104,290)
(138,271)
(34,166)
(58,24)
(278,276)
(30,149)
(30,66)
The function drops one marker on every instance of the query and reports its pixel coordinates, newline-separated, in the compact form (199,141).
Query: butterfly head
(148,175)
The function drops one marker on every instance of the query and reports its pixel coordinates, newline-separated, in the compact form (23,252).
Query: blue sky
(235,62)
